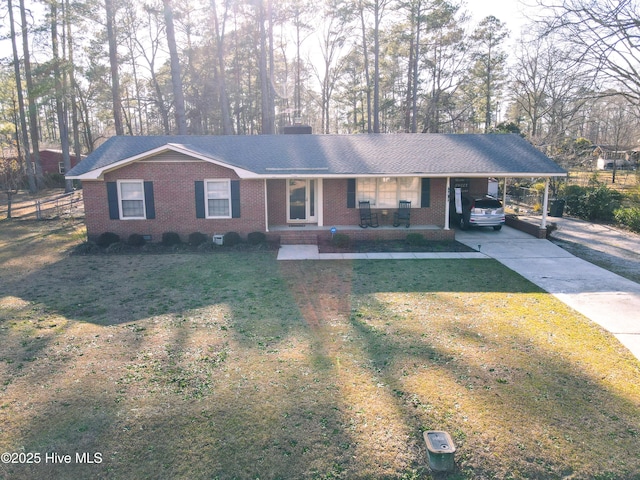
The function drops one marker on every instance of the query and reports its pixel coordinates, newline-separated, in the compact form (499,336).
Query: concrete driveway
(606,298)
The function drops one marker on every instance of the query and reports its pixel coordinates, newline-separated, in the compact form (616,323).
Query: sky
(510,12)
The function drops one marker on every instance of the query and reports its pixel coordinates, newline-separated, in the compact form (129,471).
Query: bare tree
(603,34)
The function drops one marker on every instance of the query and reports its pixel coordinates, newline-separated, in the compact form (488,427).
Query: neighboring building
(295,187)
(51,161)
(621,158)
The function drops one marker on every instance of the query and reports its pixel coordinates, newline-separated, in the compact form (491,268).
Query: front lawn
(235,365)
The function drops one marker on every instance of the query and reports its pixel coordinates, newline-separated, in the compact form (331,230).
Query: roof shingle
(344,155)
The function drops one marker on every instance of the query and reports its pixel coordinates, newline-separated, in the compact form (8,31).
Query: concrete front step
(298,238)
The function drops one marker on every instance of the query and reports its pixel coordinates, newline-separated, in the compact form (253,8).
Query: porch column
(320,203)
(266,207)
(545,203)
(446,204)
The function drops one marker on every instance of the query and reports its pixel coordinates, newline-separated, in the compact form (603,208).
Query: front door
(301,200)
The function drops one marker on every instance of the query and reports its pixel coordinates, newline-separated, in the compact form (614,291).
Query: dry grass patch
(239,366)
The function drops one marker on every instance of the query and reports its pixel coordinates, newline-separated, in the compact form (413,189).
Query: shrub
(206,247)
(86,248)
(256,238)
(197,238)
(136,240)
(415,239)
(231,239)
(629,217)
(107,238)
(341,240)
(592,203)
(601,202)
(117,247)
(170,238)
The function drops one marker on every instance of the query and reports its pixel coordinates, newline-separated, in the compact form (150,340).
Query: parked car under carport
(478,212)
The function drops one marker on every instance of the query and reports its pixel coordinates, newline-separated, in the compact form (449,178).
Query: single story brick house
(292,187)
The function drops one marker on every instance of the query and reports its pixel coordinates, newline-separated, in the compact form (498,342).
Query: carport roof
(269,156)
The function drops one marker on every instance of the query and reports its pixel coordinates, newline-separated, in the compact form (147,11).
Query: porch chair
(403,215)
(367,219)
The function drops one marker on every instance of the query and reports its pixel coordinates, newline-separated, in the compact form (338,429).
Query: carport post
(446,204)
(545,203)
(504,192)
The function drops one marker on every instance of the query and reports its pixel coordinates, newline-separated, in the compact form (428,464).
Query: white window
(367,190)
(61,168)
(131,196)
(409,189)
(386,192)
(218,198)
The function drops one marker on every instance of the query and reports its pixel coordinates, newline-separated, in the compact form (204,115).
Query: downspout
(545,203)
(266,207)
(446,204)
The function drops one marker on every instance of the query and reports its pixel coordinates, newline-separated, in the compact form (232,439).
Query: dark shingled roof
(344,155)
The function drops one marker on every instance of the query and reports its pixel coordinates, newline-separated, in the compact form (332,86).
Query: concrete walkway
(610,300)
(310,252)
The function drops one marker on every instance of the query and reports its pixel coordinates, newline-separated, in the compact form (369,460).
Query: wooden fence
(67,204)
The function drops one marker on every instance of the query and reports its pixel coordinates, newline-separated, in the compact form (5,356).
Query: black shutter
(200,213)
(351,193)
(235,198)
(149,203)
(112,199)
(425,197)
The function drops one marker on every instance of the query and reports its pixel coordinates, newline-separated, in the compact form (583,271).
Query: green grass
(228,365)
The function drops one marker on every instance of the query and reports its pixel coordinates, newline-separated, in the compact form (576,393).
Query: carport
(545,202)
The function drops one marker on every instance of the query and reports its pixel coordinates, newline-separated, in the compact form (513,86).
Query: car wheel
(464,224)
(497,227)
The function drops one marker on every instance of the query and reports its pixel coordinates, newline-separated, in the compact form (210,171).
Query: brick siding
(174,198)
(337,213)
(173,178)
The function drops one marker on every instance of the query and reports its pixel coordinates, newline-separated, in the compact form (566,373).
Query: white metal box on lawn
(218,239)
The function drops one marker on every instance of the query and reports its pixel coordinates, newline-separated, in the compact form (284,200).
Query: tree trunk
(176,75)
(21,111)
(9,202)
(31,97)
(365,52)
(267,120)
(227,126)
(113,62)
(60,94)
(416,75)
(75,124)
(376,68)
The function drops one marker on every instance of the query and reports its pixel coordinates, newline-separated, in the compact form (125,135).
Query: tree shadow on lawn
(193,366)
(513,398)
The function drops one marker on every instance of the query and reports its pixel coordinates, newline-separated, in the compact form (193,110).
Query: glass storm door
(301,200)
